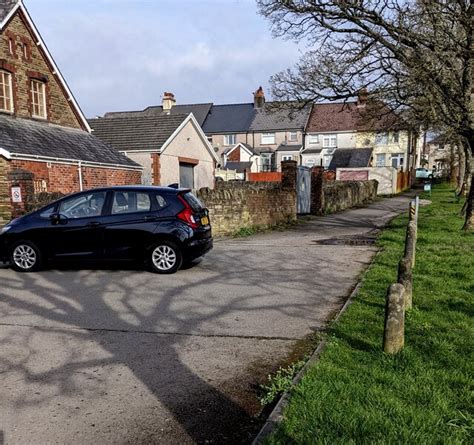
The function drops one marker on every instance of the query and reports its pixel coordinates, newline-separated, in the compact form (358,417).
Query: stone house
(44,136)
(334,126)
(171,148)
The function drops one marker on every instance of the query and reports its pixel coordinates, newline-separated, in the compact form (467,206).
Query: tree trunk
(469,221)
(462,170)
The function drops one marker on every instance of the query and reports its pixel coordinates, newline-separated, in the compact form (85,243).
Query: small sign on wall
(16,194)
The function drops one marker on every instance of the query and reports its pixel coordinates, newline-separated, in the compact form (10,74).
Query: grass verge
(357,394)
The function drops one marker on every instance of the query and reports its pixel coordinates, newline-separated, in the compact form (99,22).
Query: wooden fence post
(405,278)
(394,331)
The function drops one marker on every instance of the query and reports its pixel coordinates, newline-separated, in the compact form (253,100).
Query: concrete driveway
(125,356)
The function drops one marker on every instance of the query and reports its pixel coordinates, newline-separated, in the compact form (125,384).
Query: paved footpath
(126,356)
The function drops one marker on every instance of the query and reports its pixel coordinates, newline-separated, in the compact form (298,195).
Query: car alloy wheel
(25,257)
(166,257)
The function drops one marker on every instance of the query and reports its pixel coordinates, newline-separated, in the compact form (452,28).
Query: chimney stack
(168,102)
(259,98)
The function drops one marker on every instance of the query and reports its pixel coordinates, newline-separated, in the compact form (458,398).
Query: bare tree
(415,56)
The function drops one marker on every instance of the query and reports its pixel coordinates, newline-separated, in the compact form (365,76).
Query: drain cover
(347,241)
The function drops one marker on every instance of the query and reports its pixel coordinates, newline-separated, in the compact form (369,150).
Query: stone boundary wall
(5,211)
(343,195)
(238,205)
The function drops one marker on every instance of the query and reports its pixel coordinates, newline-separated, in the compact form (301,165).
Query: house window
(292,136)
(268,138)
(24,48)
(330,140)
(266,162)
(380,160)
(38,99)
(6,103)
(310,162)
(398,160)
(381,138)
(230,139)
(287,158)
(395,137)
(314,139)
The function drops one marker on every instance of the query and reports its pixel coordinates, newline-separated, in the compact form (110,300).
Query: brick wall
(35,65)
(35,177)
(233,206)
(343,195)
(64,178)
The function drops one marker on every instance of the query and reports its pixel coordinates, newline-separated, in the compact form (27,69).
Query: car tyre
(165,257)
(26,257)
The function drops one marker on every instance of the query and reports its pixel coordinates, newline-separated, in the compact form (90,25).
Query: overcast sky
(123,54)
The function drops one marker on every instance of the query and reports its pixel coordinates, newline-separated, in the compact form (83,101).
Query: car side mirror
(58,218)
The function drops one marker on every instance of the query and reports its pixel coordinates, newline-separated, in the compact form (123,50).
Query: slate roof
(350,158)
(137,132)
(200,112)
(5,7)
(280,116)
(29,137)
(231,118)
(240,167)
(348,116)
(289,147)
(312,150)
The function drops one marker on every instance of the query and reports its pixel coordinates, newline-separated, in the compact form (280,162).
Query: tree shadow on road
(146,336)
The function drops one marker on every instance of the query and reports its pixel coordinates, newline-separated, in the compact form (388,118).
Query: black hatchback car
(161,226)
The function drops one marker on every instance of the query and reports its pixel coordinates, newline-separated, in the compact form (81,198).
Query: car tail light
(187,215)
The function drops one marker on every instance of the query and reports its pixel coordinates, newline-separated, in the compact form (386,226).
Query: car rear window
(193,201)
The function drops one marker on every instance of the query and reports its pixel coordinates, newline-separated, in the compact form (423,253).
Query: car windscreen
(193,201)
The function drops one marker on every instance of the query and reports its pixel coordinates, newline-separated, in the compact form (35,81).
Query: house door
(186,175)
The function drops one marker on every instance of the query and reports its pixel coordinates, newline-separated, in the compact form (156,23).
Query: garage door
(186,175)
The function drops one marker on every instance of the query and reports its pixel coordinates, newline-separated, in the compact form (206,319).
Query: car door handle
(150,218)
(93,224)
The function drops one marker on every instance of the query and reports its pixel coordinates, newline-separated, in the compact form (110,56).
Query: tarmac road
(126,356)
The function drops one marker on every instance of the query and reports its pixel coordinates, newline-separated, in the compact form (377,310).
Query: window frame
(7,75)
(44,102)
(292,133)
(228,137)
(377,155)
(313,139)
(329,138)
(271,135)
(382,138)
(287,157)
(398,157)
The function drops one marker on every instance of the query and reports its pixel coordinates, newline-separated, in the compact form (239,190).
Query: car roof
(151,188)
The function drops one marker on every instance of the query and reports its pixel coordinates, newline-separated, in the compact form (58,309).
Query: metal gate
(303,190)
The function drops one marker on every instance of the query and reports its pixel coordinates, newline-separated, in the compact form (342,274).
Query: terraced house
(336,129)
(45,140)
(254,136)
